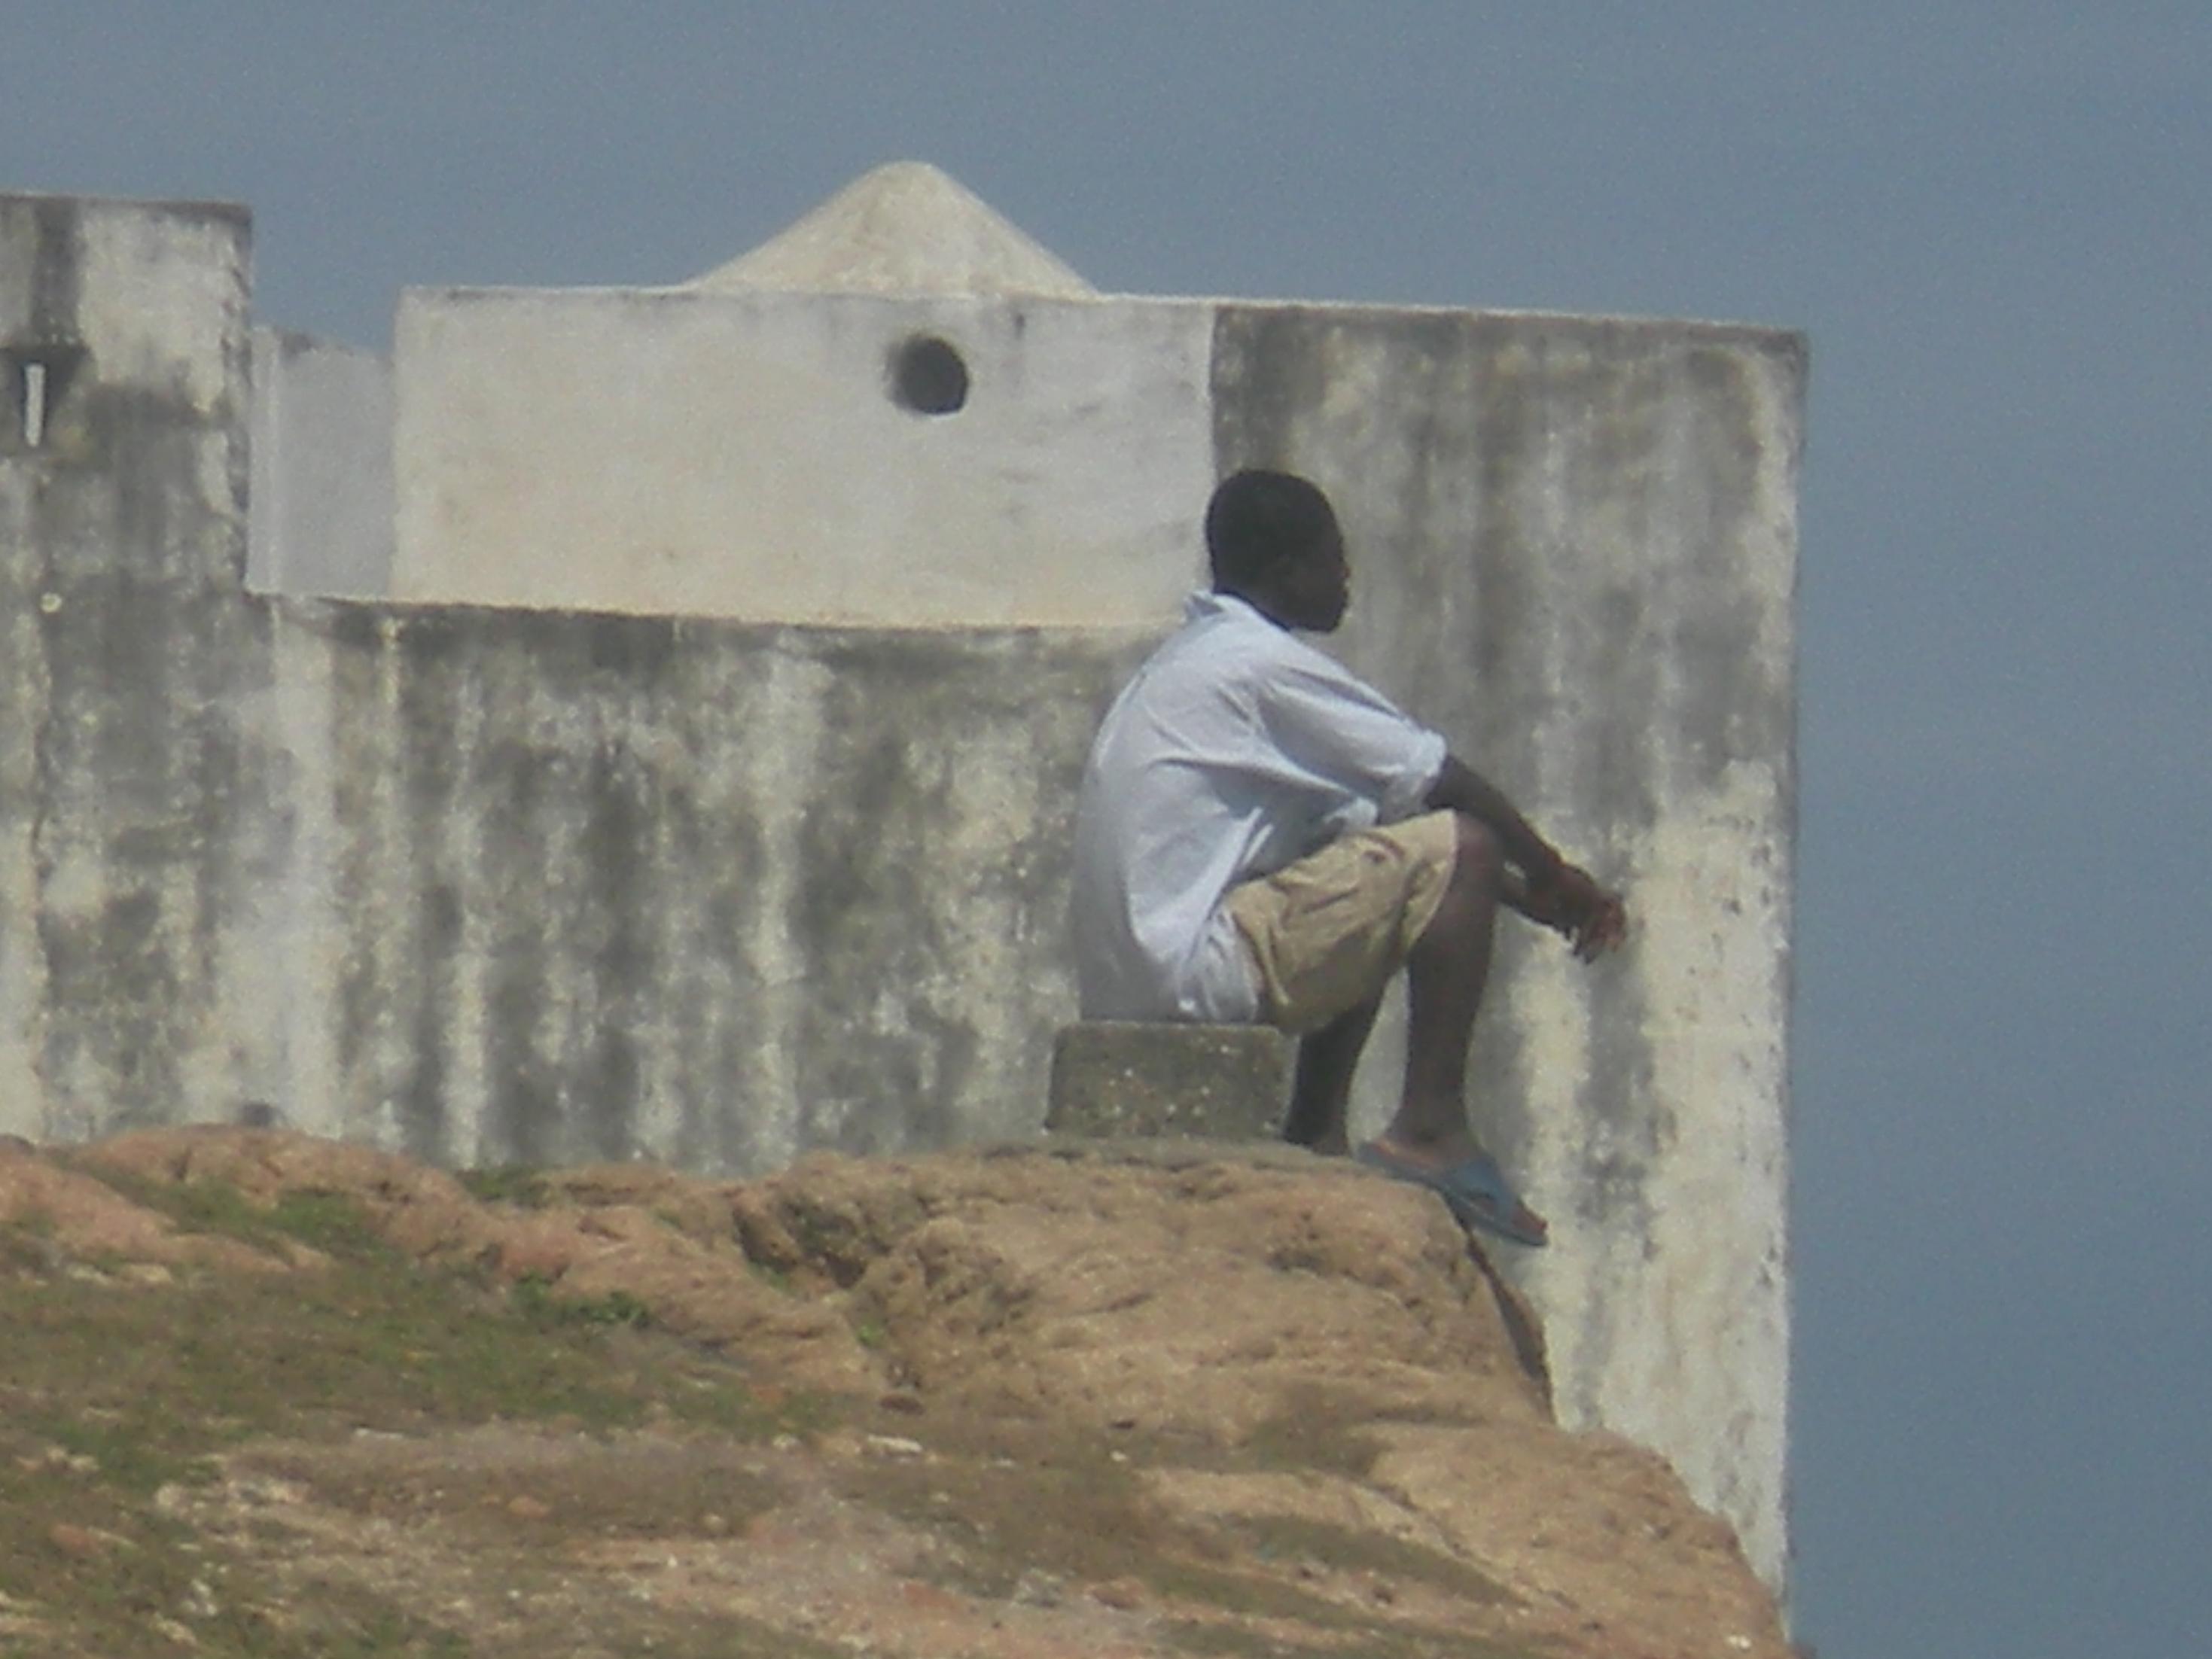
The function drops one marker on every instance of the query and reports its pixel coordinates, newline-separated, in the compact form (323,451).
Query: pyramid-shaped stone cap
(906,228)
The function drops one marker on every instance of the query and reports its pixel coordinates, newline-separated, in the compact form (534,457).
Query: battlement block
(1113,1078)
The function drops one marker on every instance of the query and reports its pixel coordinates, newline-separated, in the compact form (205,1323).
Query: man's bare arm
(1540,884)
(1459,788)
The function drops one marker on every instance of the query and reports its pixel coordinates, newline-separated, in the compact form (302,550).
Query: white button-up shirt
(1236,749)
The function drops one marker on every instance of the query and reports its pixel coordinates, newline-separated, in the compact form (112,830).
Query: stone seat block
(1112,1079)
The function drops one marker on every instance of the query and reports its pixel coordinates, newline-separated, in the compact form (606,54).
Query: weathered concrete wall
(747,454)
(1573,546)
(322,516)
(490,885)
(570,887)
(135,847)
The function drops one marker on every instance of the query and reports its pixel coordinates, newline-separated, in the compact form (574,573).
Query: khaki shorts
(1326,933)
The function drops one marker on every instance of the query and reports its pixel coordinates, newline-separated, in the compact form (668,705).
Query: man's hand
(1567,901)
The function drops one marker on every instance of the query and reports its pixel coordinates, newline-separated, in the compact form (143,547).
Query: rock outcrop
(1319,1414)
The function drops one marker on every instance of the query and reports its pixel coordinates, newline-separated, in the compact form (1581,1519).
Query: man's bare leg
(1445,975)
(1322,1093)
(1446,972)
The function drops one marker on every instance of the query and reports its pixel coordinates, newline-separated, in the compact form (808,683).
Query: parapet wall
(571,887)
(321,521)
(141,836)
(533,881)
(843,459)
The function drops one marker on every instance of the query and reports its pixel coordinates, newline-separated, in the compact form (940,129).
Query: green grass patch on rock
(120,1390)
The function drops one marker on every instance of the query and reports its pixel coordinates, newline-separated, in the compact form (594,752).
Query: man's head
(1273,540)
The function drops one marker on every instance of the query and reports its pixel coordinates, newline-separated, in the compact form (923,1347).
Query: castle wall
(572,886)
(490,885)
(322,516)
(140,814)
(754,455)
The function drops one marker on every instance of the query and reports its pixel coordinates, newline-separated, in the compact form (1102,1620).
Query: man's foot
(1473,1188)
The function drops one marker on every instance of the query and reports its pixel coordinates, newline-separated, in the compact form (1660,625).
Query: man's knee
(1469,896)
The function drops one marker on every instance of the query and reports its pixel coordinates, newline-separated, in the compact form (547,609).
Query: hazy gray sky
(1994,223)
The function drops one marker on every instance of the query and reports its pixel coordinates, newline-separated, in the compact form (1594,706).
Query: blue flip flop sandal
(1476,1192)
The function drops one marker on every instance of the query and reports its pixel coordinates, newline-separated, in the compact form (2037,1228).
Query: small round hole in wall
(927,375)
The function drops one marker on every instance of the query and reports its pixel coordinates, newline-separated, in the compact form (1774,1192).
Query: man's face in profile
(1315,586)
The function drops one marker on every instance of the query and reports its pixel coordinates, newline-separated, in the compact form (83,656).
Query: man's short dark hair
(1257,520)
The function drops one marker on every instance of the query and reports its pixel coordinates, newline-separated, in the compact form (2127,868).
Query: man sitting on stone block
(1263,836)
